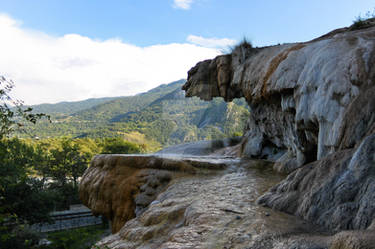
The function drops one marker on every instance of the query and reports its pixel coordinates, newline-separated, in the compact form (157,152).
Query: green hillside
(157,118)
(70,107)
(110,109)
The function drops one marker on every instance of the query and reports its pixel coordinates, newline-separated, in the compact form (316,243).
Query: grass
(359,23)
(245,43)
(363,22)
(79,238)
(244,50)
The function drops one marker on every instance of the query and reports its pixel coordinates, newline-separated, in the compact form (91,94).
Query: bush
(17,236)
(244,50)
(119,146)
(80,238)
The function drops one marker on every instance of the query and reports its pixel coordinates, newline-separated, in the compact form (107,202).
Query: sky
(70,50)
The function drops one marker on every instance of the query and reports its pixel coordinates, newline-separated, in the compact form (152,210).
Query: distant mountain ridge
(161,116)
(129,103)
(67,107)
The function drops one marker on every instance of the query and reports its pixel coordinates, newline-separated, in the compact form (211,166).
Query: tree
(12,118)
(42,161)
(68,161)
(21,202)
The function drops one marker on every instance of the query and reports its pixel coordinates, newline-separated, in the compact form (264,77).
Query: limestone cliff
(307,99)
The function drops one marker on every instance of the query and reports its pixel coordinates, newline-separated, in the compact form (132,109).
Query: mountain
(70,107)
(157,118)
(123,105)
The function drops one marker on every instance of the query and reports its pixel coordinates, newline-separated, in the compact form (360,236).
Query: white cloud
(183,4)
(73,67)
(211,42)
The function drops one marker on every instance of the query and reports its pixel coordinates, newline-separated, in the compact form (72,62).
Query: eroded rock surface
(203,148)
(217,211)
(307,99)
(337,191)
(313,114)
(121,187)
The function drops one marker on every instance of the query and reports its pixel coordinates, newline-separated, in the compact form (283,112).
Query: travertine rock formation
(216,210)
(337,191)
(307,99)
(313,114)
(121,187)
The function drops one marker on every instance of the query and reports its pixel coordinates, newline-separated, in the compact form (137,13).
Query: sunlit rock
(301,95)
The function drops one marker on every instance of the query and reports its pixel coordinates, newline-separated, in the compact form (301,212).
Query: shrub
(244,50)
(119,146)
(363,22)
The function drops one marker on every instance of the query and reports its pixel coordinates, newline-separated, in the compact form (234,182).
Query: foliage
(38,176)
(17,237)
(21,200)
(27,194)
(20,195)
(119,146)
(243,50)
(244,43)
(363,22)
(12,118)
(68,161)
(80,238)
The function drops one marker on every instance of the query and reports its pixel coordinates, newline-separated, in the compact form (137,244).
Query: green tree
(12,113)
(68,161)
(21,202)
(42,161)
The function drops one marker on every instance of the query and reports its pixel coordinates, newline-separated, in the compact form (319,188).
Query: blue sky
(149,22)
(59,46)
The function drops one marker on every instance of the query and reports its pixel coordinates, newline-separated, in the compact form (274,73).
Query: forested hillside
(70,107)
(157,118)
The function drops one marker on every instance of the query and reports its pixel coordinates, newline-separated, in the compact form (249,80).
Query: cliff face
(307,99)
(337,192)
(313,114)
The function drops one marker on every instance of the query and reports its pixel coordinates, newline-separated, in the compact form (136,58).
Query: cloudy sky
(73,50)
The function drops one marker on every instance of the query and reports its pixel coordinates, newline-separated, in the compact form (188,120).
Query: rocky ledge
(182,201)
(121,187)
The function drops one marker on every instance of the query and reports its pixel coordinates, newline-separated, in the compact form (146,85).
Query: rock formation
(337,191)
(120,187)
(307,99)
(312,116)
